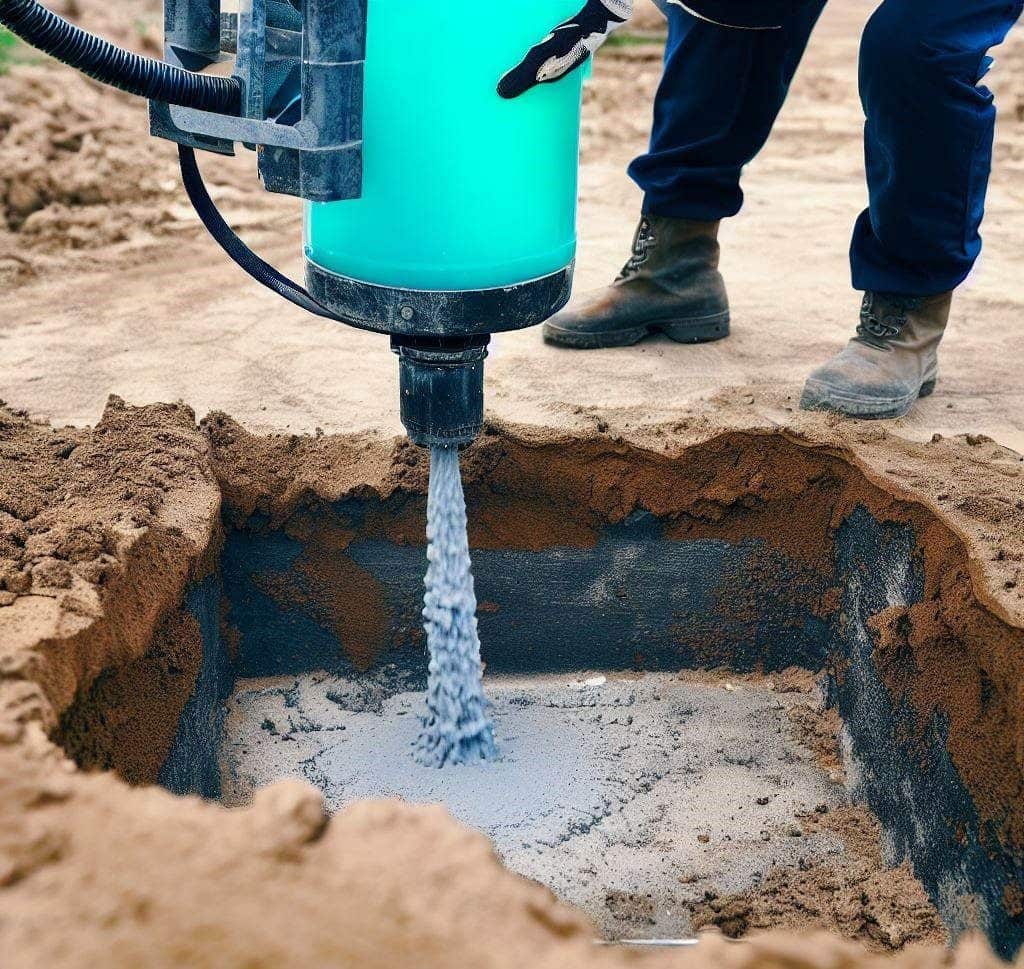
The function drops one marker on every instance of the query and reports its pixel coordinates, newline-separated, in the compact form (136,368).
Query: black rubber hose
(240,253)
(118,67)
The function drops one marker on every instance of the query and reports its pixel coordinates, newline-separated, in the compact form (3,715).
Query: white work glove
(571,43)
(567,46)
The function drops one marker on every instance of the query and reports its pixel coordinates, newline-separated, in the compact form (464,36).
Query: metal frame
(301,64)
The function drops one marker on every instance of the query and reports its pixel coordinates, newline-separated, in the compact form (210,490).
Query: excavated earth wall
(111,543)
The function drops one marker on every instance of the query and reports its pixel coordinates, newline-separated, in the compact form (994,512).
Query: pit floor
(631,796)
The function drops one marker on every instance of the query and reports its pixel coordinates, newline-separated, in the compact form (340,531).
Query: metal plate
(418,312)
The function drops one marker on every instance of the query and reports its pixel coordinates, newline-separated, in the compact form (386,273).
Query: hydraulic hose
(240,253)
(114,65)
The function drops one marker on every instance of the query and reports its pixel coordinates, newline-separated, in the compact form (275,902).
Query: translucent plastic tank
(462,189)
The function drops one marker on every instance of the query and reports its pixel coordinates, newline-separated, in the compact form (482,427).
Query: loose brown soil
(858,898)
(145,485)
(77,173)
(127,719)
(98,531)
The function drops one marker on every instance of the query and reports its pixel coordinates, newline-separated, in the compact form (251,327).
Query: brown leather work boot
(889,364)
(670,285)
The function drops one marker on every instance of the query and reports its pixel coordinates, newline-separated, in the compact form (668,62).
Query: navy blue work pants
(928,136)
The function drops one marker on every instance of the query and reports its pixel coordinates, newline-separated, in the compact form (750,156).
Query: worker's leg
(717,103)
(930,124)
(720,94)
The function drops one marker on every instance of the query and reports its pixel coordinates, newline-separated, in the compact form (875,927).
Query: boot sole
(704,329)
(820,397)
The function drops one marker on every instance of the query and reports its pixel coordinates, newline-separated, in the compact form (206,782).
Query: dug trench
(738,683)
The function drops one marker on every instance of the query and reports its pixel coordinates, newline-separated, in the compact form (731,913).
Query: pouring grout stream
(457,728)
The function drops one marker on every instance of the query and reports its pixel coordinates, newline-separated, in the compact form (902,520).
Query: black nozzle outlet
(441,382)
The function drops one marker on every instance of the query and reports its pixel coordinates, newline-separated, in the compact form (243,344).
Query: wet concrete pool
(607,789)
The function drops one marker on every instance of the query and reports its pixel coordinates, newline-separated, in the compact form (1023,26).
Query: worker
(728,68)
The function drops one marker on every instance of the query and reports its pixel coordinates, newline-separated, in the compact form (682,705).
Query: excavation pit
(671,647)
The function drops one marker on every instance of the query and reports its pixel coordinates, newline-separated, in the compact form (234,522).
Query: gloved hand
(567,46)
(571,43)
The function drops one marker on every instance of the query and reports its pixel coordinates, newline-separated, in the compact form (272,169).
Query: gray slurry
(629,796)
(456,728)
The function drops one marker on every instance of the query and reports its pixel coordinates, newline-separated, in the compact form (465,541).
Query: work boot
(671,285)
(889,364)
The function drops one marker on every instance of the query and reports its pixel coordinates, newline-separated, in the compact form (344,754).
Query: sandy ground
(166,317)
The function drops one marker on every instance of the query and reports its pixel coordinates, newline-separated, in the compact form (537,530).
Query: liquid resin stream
(457,728)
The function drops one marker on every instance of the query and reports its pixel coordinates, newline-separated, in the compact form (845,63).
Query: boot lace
(643,242)
(883,318)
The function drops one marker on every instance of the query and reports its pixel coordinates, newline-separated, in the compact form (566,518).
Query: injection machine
(436,213)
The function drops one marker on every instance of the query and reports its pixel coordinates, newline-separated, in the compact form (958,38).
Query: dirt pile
(77,169)
(135,24)
(98,531)
(71,149)
(860,898)
(79,173)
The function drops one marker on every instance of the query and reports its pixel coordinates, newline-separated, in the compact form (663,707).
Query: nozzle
(441,382)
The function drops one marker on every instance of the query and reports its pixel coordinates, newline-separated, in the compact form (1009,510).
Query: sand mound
(71,151)
(75,167)
(79,174)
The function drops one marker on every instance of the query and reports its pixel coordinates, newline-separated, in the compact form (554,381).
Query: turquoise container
(462,190)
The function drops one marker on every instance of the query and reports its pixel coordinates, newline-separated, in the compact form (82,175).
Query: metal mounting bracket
(300,63)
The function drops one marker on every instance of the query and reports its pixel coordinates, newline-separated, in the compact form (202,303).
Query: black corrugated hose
(118,67)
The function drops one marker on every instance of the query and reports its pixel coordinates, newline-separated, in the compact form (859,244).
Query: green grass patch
(7,44)
(14,51)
